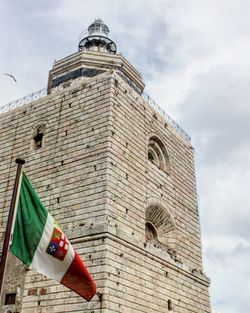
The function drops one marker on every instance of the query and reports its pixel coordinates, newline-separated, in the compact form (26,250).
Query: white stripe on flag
(46,264)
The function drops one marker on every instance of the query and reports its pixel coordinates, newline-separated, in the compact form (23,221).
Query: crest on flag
(59,245)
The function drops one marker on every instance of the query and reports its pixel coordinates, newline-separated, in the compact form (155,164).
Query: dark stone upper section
(86,72)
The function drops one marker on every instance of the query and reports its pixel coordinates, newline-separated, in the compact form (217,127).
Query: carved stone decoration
(159,224)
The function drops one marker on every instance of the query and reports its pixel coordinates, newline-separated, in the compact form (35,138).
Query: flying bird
(11,76)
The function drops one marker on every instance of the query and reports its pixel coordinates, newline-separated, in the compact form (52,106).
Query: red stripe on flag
(78,279)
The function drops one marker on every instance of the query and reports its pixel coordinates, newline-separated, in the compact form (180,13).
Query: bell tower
(117,173)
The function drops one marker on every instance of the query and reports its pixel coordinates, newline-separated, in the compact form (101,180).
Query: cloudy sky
(194,56)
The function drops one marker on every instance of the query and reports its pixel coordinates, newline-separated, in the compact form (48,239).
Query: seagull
(10,76)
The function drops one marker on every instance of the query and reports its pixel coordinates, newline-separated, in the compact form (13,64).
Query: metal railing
(43,92)
(24,100)
(168,119)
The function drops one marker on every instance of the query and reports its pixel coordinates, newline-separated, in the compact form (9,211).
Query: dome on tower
(96,38)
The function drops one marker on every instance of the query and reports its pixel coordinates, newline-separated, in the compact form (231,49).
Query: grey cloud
(225,257)
(218,112)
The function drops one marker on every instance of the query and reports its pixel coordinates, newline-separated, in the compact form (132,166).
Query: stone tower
(117,173)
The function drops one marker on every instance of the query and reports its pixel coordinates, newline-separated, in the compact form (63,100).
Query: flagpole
(6,242)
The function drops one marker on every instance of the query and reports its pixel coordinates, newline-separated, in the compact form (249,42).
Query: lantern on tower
(96,38)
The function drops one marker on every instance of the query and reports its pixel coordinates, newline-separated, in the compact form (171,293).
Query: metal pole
(6,242)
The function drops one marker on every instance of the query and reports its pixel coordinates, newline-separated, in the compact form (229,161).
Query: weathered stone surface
(94,176)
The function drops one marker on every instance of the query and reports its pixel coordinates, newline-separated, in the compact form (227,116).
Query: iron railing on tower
(167,118)
(24,100)
(43,92)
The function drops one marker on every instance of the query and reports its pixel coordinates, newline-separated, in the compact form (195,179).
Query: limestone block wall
(69,174)
(136,183)
(147,281)
(144,276)
(94,176)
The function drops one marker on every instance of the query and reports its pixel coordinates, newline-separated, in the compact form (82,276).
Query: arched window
(38,137)
(157,154)
(160,225)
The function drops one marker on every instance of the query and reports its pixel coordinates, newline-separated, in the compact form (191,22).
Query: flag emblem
(59,245)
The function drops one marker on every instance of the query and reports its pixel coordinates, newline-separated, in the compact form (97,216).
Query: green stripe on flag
(30,221)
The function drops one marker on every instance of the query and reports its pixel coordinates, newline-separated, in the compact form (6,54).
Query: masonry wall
(143,276)
(144,280)
(135,181)
(69,174)
(94,176)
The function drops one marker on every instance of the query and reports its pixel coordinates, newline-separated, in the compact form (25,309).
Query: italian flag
(41,245)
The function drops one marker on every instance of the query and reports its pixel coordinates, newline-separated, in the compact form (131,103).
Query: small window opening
(153,156)
(150,157)
(38,137)
(170,306)
(10,298)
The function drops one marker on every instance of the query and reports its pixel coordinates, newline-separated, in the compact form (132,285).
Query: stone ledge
(152,251)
